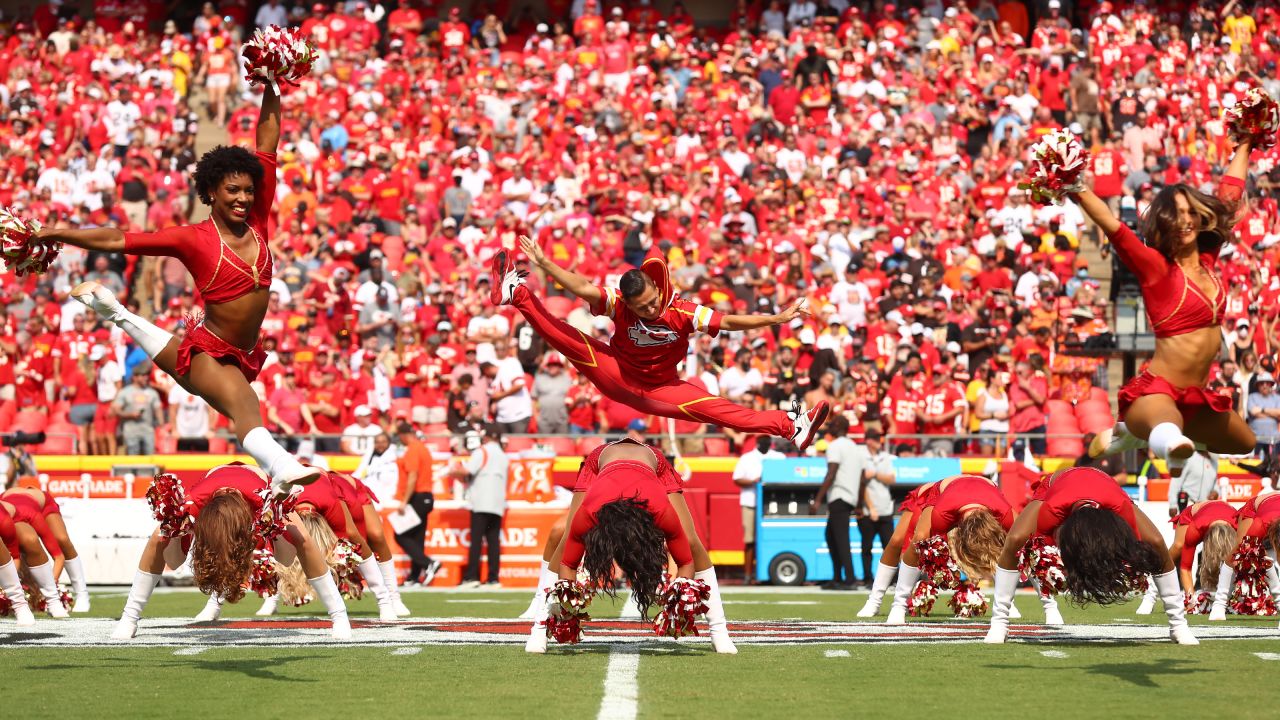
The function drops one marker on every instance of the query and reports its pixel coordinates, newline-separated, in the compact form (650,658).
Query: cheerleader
(70,559)
(363,505)
(1211,523)
(1104,542)
(1168,406)
(10,582)
(975,517)
(32,538)
(223,507)
(334,500)
(628,509)
(891,555)
(1258,520)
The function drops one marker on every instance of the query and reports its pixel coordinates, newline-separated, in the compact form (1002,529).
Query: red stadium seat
(1065,447)
(402,407)
(166,443)
(519,444)
(59,411)
(559,306)
(564,446)
(8,410)
(30,421)
(715,447)
(435,429)
(1093,407)
(1054,407)
(1095,423)
(1098,394)
(587,444)
(62,439)
(219,446)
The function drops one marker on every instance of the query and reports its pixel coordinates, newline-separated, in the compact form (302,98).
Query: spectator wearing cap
(139,409)
(1263,414)
(379,470)
(550,390)
(357,438)
(943,410)
(379,320)
(876,517)
(486,471)
(747,472)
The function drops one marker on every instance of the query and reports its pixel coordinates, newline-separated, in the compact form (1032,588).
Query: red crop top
(236,476)
(1174,304)
(329,498)
(1080,487)
(1198,521)
(220,274)
(627,479)
(962,492)
(1263,512)
(27,510)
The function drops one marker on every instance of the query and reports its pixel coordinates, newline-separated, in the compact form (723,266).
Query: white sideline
(836,653)
(630,611)
(621,687)
(1268,656)
(406,651)
(193,650)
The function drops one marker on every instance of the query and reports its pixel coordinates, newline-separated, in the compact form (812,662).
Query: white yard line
(621,685)
(1053,654)
(194,650)
(1268,656)
(836,653)
(629,609)
(406,651)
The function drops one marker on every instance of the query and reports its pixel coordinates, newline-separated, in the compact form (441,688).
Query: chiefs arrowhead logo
(648,336)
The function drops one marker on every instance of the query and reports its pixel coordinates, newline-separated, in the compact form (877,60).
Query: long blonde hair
(976,542)
(293,588)
(1215,549)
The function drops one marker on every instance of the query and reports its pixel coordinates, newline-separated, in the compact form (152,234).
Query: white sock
(43,575)
(1170,592)
(143,584)
(883,581)
(75,571)
(546,578)
(269,454)
(1273,575)
(715,605)
(388,570)
(908,576)
(1226,576)
(372,575)
(1163,438)
(327,591)
(11,584)
(1005,586)
(150,338)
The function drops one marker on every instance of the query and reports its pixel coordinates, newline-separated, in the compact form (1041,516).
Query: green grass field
(1101,678)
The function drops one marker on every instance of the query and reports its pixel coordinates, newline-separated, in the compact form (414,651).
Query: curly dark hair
(1159,225)
(218,163)
(1100,553)
(626,534)
(222,550)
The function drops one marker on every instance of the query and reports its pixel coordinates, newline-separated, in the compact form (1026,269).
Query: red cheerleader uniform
(8,532)
(1263,513)
(1197,519)
(1175,306)
(356,495)
(590,468)
(237,477)
(627,479)
(1079,487)
(915,502)
(965,491)
(27,510)
(50,506)
(328,496)
(220,274)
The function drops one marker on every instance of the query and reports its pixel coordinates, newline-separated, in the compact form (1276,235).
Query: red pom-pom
(1040,561)
(24,253)
(263,578)
(1251,594)
(169,505)
(274,518)
(345,561)
(922,597)
(968,601)
(938,572)
(682,601)
(278,56)
(567,610)
(1056,168)
(1197,603)
(6,605)
(1255,118)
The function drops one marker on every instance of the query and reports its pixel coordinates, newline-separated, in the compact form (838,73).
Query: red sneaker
(505,280)
(808,423)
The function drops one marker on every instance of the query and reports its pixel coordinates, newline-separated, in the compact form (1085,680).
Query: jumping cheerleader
(223,506)
(1168,406)
(33,538)
(70,559)
(341,502)
(1211,523)
(229,258)
(638,366)
(628,508)
(1104,542)
(975,517)
(10,582)
(1258,520)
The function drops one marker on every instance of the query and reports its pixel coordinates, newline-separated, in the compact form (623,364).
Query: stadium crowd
(863,154)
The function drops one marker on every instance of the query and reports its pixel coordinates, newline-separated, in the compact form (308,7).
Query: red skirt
(50,505)
(1190,401)
(669,481)
(199,340)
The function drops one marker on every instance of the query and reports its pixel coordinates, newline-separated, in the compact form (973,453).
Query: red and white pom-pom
(682,601)
(6,605)
(568,601)
(1056,168)
(278,56)
(1255,119)
(1251,594)
(345,561)
(1040,561)
(169,505)
(1197,603)
(23,253)
(1136,582)
(968,601)
(935,562)
(263,578)
(922,598)
(38,603)
(274,518)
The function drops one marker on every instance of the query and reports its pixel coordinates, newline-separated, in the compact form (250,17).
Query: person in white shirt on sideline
(847,464)
(487,496)
(379,470)
(886,572)
(357,438)
(876,519)
(746,473)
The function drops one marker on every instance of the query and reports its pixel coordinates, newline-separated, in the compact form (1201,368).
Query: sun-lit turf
(1111,680)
